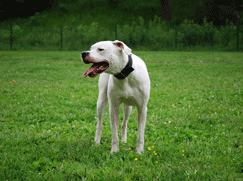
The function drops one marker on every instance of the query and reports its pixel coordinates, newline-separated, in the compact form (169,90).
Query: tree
(165,9)
(181,10)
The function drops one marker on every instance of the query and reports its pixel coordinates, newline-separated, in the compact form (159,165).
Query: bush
(155,35)
(4,39)
(226,35)
(194,34)
(35,38)
(81,37)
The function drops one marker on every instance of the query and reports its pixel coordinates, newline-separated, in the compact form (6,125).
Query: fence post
(11,35)
(175,36)
(116,33)
(238,35)
(61,38)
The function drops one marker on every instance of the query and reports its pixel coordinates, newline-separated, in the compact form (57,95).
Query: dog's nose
(85,54)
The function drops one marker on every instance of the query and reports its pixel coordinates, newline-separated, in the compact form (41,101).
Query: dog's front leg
(114,118)
(142,114)
(101,105)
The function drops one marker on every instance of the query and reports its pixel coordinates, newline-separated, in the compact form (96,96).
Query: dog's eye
(100,49)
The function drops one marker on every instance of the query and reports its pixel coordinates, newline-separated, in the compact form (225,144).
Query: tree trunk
(165,10)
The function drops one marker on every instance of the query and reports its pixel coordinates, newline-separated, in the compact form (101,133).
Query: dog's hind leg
(142,114)
(101,104)
(114,118)
(127,111)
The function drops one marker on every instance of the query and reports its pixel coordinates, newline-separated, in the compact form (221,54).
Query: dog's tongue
(96,69)
(90,70)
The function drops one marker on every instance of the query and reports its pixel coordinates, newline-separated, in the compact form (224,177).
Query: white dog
(125,80)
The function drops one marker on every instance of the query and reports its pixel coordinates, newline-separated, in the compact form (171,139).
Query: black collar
(127,70)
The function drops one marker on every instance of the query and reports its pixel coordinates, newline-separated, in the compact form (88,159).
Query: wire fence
(138,36)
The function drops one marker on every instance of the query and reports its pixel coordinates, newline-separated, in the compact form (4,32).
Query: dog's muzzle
(97,67)
(85,54)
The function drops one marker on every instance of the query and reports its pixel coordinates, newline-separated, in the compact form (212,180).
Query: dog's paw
(97,140)
(139,149)
(114,149)
(124,140)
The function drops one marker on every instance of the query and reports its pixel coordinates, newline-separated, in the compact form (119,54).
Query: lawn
(194,126)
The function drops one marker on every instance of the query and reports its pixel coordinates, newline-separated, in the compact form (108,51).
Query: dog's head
(106,56)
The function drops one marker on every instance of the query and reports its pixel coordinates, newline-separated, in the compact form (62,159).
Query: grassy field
(194,125)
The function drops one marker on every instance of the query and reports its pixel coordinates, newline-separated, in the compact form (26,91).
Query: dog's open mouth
(96,69)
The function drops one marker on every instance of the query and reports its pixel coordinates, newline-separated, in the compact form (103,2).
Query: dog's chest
(127,93)
(128,98)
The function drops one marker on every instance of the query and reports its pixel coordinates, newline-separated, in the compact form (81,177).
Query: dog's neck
(126,70)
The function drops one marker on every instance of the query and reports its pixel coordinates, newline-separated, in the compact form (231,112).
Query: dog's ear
(122,46)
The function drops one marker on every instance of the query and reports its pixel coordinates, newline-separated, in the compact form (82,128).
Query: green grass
(194,122)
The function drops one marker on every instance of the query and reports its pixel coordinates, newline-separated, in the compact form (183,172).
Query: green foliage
(155,35)
(225,35)
(81,37)
(195,34)
(48,120)
(181,10)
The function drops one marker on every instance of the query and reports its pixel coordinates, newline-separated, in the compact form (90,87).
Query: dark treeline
(121,12)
